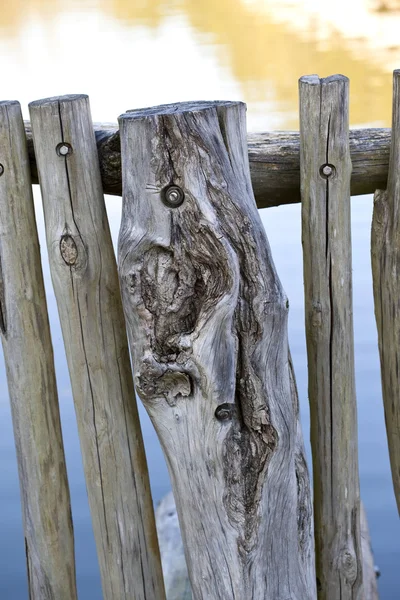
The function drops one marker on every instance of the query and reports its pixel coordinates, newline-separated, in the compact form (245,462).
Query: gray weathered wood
(174,565)
(207,322)
(176,578)
(326,240)
(28,353)
(386,281)
(274,162)
(85,280)
(369,571)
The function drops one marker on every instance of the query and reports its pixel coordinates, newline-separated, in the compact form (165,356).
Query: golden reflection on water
(258,48)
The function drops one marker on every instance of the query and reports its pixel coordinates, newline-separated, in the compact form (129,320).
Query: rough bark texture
(274,162)
(325,187)
(85,280)
(28,353)
(207,321)
(386,280)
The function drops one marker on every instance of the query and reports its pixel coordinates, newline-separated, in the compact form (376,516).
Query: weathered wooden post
(85,279)
(325,188)
(207,321)
(386,278)
(28,353)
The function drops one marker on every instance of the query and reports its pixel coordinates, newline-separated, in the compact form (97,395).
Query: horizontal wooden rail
(274,162)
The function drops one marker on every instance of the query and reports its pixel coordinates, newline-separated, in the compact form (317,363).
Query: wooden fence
(197,295)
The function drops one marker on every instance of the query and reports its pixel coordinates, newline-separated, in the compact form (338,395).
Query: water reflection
(261,47)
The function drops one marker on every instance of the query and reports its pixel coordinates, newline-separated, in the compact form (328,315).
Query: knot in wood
(223,412)
(349,565)
(316,315)
(1,169)
(173,196)
(68,249)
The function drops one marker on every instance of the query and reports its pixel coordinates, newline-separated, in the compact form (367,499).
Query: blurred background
(133,53)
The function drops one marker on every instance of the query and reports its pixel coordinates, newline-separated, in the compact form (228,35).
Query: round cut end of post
(179,108)
(56,99)
(6,103)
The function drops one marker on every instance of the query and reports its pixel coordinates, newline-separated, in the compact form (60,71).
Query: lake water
(126,54)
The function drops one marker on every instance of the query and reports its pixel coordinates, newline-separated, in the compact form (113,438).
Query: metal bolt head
(64,149)
(327,170)
(1,170)
(173,196)
(223,412)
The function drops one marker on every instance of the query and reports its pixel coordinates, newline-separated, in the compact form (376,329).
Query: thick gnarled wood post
(325,167)
(207,321)
(385,249)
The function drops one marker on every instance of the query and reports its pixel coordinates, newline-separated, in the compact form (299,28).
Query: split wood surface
(207,323)
(28,353)
(325,188)
(385,249)
(85,280)
(274,162)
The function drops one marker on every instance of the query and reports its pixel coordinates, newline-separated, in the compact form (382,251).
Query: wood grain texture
(274,162)
(385,249)
(28,353)
(174,564)
(85,281)
(207,323)
(326,241)
(369,572)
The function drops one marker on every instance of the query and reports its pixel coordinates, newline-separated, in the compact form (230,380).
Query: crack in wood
(3,313)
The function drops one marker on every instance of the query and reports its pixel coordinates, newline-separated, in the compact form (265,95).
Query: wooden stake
(207,319)
(386,279)
(325,169)
(28,353)
(86,285)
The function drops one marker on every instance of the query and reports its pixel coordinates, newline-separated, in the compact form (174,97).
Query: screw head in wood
(327,171)
(64,149)
(1,169)
(173,196)
(223,412)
